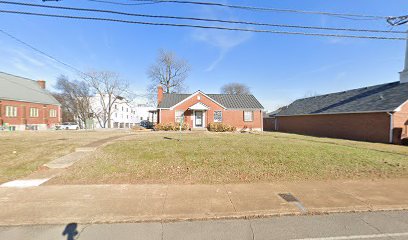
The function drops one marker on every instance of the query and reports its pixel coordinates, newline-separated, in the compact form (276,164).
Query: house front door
(198,119)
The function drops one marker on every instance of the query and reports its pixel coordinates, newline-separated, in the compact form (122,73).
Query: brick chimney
(41,83)
(404,73)
(159,94)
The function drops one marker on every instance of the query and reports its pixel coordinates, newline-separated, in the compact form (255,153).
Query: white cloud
(223,40)
(26,63)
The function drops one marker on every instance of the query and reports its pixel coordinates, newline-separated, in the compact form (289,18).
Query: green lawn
(234,157)
(22,153)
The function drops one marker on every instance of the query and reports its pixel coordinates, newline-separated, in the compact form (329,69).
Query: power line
(201,19)
(41,52)
(76,70)
(124,4)
(202,27)
(372,17)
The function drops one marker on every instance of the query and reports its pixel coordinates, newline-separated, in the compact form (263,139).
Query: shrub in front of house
(171,127)
(221,127)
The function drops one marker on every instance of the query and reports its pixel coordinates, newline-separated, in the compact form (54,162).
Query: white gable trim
(199,106)
(399,108)
(194,94)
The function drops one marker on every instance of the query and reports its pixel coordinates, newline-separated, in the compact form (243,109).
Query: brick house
(376,114)
(199,109)
(25,104)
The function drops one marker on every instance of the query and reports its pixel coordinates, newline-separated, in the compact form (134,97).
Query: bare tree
(235,88)
(66,114)
(170,72)
(74,97)
(108,89)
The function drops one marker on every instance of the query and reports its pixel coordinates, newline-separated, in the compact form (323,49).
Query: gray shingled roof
(230,101)
(23,89)
(379,98)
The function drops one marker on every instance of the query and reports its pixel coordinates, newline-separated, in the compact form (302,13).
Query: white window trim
(218,121)
(252,116)
(11,111)
(34,112)
(53,113)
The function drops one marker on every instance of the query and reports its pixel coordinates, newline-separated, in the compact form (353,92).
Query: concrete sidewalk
(383,225)
(61,204)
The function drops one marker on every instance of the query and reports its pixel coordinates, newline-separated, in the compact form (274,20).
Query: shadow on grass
(175,139)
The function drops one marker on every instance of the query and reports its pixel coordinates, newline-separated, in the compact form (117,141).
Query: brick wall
(401,120)
(23,114)
(269,124)
(373,127)
(230,117)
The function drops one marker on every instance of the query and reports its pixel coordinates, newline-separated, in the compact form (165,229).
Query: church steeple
(404,73)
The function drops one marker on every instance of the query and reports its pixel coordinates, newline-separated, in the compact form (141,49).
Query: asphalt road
(374,225)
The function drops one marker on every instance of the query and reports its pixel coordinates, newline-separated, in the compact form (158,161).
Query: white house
(125,113)
(142,112)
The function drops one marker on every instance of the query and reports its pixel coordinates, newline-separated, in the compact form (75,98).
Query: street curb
(243,216)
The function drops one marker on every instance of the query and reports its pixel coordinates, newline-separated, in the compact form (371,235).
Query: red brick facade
(400,120)
(372,127)
(23,119)
(231,117)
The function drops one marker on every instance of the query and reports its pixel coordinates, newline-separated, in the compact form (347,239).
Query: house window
(179,116)
(248,116)
(116,106)
(33,112)
(11,111)
(217,116)
(53,113)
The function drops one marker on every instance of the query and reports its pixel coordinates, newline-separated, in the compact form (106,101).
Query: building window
(53,113)
(116,106)
(248,116)
(217,116)
(179,116)
(11,111)
(33,112)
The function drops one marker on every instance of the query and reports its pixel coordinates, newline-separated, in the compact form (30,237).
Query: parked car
(68,126)
(146,124)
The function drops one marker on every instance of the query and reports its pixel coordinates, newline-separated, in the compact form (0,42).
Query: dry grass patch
(23,152)
(232,158)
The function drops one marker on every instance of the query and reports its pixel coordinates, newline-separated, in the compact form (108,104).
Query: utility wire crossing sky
(209,33)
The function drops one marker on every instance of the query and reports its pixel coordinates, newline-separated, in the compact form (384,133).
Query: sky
(278,68)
